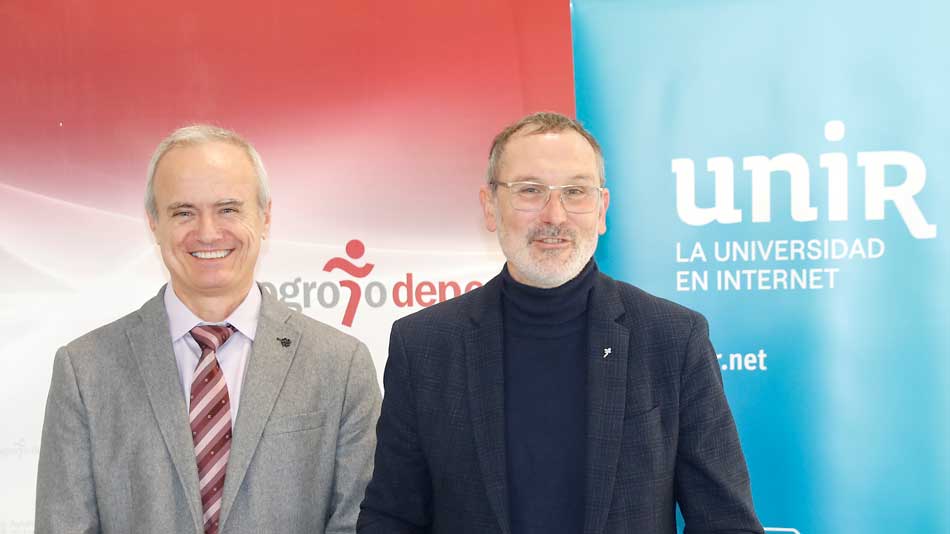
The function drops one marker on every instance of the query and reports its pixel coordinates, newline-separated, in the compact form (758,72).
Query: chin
(556,271)
(212,284)
(539,275)
(556,279)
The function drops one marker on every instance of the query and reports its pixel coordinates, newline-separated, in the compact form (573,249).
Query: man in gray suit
(214,407)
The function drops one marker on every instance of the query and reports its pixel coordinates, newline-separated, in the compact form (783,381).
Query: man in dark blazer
(554,399)
(214,408)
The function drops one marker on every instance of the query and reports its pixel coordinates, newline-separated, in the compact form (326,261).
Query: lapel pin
(607,352)
(285,342)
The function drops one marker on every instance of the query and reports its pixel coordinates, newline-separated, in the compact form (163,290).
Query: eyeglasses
(529,196)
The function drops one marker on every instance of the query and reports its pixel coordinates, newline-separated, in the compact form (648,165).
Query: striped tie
(210,417)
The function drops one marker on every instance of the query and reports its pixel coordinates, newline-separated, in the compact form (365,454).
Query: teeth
(210,254)
(551,241)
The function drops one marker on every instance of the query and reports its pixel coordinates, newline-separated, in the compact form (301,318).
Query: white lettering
(797,169)
(901,195)
(723,210)
(761,168)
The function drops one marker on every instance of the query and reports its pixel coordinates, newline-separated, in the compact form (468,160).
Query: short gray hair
(541,122)
(198,134)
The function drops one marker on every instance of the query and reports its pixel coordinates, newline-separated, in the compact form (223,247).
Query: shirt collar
(244,318)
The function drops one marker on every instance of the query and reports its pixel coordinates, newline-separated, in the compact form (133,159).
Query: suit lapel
(152,348)
(606,399)
(484,354)
(270,359)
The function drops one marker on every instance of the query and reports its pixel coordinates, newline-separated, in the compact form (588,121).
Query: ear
(602,216)
(152,224)
(487,198)
(266,215)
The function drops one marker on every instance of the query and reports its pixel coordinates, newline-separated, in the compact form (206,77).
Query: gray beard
(546,274)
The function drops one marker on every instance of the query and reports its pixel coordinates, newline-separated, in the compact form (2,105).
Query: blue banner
(783,167)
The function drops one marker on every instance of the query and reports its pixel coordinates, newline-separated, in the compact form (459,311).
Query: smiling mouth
(552,241)
(211,254)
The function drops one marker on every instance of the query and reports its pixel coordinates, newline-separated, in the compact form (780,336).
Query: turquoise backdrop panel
(784,168)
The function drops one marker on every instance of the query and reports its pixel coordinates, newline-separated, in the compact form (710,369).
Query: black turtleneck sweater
(546,403)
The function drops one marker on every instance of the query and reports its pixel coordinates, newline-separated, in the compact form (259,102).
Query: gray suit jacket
(117,454)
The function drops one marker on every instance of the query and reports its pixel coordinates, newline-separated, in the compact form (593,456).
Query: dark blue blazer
(659,430)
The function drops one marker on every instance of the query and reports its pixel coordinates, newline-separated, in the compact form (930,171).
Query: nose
(208,231)
(553,212)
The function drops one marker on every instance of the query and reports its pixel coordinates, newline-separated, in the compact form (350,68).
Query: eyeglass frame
(549,189)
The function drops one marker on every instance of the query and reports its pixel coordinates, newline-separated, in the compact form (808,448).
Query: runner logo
(355,250)
(409,292)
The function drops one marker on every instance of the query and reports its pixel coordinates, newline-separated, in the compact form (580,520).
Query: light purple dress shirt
(232,356)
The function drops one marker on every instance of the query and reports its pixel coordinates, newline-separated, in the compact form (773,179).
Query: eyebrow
(231,202)
(535,179)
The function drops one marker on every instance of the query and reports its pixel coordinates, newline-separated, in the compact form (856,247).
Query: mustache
(550,230)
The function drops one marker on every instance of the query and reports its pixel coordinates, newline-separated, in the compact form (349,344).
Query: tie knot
(210,336)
